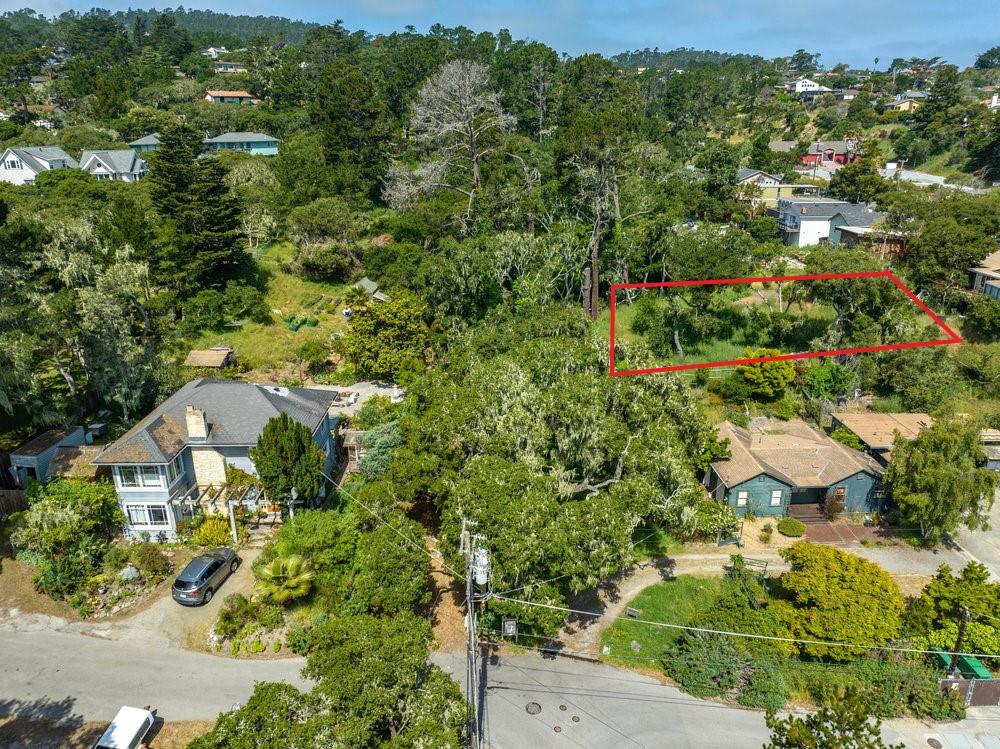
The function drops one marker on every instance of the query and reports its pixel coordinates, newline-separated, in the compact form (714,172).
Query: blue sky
(851,31)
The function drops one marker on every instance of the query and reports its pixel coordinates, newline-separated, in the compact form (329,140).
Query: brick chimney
(197,426)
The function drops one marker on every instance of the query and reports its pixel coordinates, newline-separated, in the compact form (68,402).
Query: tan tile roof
(878,431)
(242,94)
(214,357)
(790,451)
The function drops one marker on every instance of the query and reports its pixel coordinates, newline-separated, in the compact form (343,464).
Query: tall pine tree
(286,457)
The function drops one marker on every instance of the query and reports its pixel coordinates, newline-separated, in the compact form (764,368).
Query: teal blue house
(776,464)
(256,144)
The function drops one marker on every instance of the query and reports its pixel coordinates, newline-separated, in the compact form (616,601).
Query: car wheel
(208,596)
(234,565)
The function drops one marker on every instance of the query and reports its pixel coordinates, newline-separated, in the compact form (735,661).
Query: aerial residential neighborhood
(576,375)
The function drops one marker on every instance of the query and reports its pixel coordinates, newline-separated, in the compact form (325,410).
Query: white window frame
(166,515)
(130,508)
(122,482)
(175,469)
(148,481)
(776,494)
(742,497)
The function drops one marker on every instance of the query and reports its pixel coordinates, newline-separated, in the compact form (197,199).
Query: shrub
(59,577)
(299,639)
(237,611)
(766,532)
(213,531)
(764,688)
(149,559)
(845,436)
(270,617)
(705,664)
(791,527)
(277,646)
(116,557)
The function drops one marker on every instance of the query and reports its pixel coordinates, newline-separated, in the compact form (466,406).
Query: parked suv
(203,575)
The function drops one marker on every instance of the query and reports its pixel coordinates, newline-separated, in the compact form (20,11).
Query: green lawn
(815,318)
(677,601)
(266,346)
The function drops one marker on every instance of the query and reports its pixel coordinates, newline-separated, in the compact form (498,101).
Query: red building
(820,151)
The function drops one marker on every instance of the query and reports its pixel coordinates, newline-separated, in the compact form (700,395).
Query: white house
(806,86)
(227,66)
(124,165)
(215,52)
(229,97)
(20,166)
(809,221)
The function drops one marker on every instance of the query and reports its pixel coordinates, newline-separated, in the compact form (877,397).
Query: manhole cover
(557,729)
(563,708)
(576,718)
(934,743)
(533,708)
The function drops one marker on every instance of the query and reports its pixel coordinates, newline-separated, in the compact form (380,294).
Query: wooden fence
(977,692)
(11,501)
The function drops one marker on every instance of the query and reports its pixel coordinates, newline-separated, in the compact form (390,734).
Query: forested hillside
(494,191)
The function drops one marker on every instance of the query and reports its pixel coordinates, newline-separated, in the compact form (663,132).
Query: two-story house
(20,166)
(189,440)
(776,465)
(807,221)
(124,165)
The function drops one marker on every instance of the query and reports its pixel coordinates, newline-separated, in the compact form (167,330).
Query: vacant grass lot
(271,346)
(677,601)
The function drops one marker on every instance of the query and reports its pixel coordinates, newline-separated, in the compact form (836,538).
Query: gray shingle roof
(859,214)
(153,139)
(236,413)
(746,172)
(819,207)
(124,160)
(36,158)
(242,138)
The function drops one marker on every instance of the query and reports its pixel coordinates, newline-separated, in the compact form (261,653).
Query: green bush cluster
(791,527)
(240,615)
(213,531)
(149,559)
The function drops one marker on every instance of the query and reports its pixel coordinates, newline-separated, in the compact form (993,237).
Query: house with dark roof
(257,144)
(146,143)
(774,465)
(124,165)
(33,460)
(188,442)
(820,151)
(20,166)
(808,221)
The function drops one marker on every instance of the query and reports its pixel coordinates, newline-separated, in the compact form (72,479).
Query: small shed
(372,288)
(354,445)
(218,357)
(33,460)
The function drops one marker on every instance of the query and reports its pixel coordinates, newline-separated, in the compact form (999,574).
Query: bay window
(130,477)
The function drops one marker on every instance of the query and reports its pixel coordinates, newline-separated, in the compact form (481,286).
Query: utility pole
(477,567)
(958,641)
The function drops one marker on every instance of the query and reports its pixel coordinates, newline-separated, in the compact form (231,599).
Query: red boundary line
(953,337)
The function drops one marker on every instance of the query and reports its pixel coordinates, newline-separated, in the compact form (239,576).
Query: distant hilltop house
(914,95)
(226,67)
(20,166)
(846,94)
(805,85)
(992,102)
(215,52)
(230,97)
(257,144)
(769,187)
(777,465)
(820,151)
(146,143)
(809,221)
(167,462)
(123,165)
(903,105)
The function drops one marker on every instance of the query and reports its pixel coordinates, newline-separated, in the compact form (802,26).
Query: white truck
(127,730)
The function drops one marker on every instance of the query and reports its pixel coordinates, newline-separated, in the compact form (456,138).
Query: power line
(420,547)
(729,633)
(529,585)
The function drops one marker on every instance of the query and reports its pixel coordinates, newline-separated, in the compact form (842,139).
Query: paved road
(985,545)
(597,706)
(90,678)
